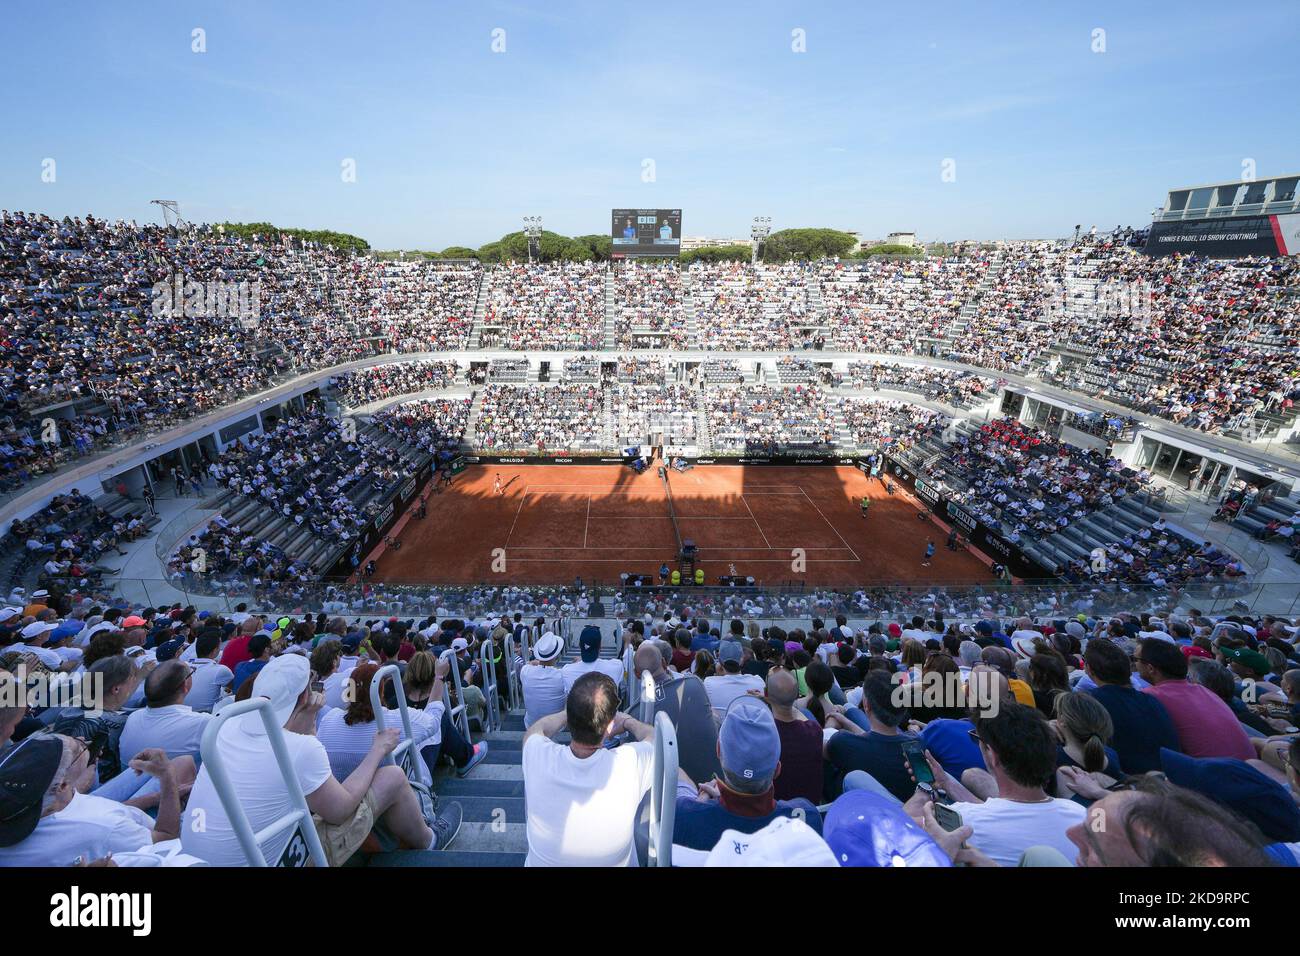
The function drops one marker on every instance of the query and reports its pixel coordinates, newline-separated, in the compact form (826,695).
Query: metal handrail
(648,694)
(492,712)
(459,714)
(407,745)
(663,793)
(214,763)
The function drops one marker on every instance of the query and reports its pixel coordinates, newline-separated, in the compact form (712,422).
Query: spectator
(583,797)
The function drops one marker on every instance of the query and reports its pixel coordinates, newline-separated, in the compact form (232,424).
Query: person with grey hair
(968,654)
(686,702)
(46,818)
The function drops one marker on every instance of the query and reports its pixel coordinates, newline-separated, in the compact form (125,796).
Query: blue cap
(1239,787)
(589,642)
(203,615)
(863,828)
(65,629)
(748,743)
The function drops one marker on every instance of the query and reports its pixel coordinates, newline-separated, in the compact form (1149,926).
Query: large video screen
(646,232)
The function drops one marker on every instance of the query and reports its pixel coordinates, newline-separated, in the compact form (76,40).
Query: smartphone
(914,751)
(947,817)
(318,686)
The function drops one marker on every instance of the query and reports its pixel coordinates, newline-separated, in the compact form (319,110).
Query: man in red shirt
(1206,726)
(236,651)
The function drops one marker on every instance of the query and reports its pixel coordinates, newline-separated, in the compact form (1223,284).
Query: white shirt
(348,744)
(44,654)
(910,633)
(335,683)
(176,728)
(581,812)
(724,688)
(260,788)
(575,669)
(207,684)
(88,827)
(545,691)
(1004,829)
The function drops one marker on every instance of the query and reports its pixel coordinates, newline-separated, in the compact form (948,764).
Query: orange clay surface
(559,522)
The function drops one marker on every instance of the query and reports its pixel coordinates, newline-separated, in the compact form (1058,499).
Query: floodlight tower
(171,210)
(758,233)
(533,230)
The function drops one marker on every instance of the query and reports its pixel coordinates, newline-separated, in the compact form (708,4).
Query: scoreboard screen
(646,232)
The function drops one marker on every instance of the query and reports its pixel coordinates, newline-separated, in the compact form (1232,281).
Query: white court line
(586,524)
(756,524)
(829,525)
(516,521)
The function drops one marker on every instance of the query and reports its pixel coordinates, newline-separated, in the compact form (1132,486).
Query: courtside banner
(774,460)
(542,460)
(1227,237)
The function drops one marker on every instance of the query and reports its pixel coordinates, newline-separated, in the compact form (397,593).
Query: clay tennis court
(553,523)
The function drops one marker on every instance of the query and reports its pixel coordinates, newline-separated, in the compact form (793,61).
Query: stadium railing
(459,713)
(663,793)
(405,754)
(770,604)
(491,694)
(298,818)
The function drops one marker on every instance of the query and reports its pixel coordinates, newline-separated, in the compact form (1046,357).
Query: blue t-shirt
(1142,727)
(949,743)
(700,824)
(244,670)
(880,755)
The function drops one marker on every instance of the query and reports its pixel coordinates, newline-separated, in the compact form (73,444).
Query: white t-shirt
(335,683)
(724,688)
(347,744)
(176,728)
(88,827)
(256,778)
(916,634)
(581,812)
(44,654)
(545,691)
(1004,829)
(572,671)
(208,679)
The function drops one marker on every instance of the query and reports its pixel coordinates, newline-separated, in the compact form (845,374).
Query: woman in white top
(349,733)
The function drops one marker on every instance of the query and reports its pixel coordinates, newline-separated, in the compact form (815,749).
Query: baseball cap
(282,680)
(748,744)
(1244,655)
(459,644)
(133,621)
(863,828)
(9,612)
(786,841)
(1239,787)
(730,651)
(589,643)
(548,647)
(37,629)
(25,776)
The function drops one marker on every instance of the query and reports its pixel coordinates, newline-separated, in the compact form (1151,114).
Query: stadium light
(758,232)
(533,230)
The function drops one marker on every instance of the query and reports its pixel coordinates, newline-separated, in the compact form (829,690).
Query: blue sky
(454,143)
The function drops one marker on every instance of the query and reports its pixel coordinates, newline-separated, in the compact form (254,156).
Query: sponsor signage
(1227,236)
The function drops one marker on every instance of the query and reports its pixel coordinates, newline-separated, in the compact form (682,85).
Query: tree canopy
(807,244)
(326,237)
